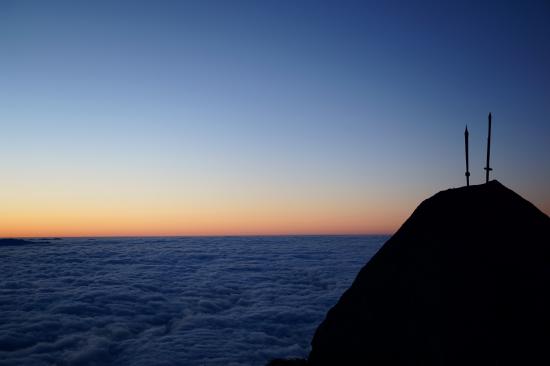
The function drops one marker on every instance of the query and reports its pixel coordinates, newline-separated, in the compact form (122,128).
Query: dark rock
(464,281)
(287,362)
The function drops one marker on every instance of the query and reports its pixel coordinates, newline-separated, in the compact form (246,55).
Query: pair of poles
(487,168)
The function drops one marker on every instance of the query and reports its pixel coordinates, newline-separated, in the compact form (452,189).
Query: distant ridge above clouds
(11,241)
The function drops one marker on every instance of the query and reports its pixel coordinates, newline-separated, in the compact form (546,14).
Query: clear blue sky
(353,111)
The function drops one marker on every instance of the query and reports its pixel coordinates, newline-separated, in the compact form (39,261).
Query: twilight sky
(262,117)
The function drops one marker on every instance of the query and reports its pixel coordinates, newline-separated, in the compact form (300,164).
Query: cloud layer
(171,301)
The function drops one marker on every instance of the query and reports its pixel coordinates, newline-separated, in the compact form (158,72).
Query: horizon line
(191,235)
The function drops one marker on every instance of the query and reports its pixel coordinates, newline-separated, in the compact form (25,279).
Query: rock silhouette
(465,280)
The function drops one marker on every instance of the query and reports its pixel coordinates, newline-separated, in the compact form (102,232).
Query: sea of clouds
(171,301)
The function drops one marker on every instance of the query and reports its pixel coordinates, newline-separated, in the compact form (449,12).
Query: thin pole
(467,158)
(487,167)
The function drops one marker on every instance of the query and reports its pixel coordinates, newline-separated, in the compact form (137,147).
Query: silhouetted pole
(487,167)
(467,158)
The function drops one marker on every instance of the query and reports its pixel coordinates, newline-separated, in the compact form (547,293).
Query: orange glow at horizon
(247,222)
(177,217)
(142,204)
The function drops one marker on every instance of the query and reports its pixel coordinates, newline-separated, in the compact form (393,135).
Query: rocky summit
(465,280)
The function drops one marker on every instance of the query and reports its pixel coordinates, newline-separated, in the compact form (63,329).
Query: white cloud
(171,301)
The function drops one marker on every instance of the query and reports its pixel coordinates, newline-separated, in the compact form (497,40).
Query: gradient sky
(262,117)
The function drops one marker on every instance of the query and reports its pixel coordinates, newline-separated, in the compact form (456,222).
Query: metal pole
(467,158)
(487,167)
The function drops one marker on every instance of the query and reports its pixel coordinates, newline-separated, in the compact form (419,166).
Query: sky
(263,117)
